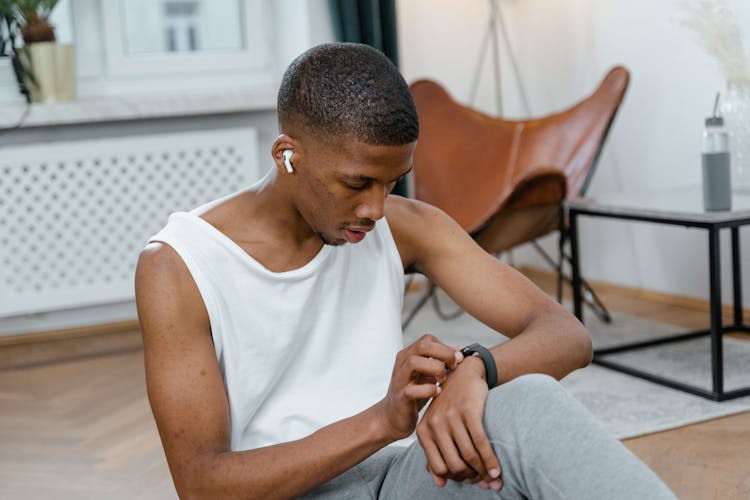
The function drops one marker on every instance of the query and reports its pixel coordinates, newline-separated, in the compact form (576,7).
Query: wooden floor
(81,428)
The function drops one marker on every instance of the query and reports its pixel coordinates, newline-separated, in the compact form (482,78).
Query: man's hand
(417,374)
(451,431)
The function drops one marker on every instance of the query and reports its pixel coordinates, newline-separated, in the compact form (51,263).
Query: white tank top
(299,349)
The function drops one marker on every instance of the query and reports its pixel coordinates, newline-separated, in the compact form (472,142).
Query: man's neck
(272,209)
(265,223)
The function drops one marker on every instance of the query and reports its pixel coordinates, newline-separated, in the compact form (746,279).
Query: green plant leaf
(29,9)
(6,9)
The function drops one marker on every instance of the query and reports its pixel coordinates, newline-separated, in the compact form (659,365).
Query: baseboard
(33,349)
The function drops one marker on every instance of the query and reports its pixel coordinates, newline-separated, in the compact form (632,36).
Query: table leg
(561,252)
(575,266)
(714,270)
(737,277)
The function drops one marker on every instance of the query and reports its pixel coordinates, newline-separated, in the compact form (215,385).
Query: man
(271,324)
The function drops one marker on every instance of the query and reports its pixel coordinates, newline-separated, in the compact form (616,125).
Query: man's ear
(286,152)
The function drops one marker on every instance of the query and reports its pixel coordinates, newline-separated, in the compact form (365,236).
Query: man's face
(341,187)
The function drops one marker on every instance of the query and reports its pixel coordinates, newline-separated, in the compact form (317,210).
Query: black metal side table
(681,207)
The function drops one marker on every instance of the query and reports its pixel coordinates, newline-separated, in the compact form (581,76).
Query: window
(150,37)
(180,47)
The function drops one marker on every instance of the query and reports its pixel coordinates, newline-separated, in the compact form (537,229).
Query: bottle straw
(716,103)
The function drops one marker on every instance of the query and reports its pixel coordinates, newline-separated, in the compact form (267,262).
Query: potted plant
(50,66)
(8,54)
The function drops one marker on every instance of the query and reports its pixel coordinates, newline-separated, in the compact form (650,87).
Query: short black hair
(348,89)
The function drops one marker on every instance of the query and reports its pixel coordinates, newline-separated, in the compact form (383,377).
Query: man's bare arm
(545,338)
(189,401)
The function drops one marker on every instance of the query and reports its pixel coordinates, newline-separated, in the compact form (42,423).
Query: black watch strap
(488,359)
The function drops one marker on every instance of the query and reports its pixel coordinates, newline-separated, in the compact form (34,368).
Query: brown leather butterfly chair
(502,180)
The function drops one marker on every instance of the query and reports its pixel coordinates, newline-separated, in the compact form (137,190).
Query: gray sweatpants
(548,444)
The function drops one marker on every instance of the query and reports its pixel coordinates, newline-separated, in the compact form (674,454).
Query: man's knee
(527,388)
(519,405)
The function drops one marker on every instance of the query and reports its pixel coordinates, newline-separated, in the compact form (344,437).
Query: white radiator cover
(75,215)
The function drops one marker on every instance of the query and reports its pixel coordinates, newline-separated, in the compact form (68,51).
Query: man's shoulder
(401,210)
(417,227)
(165,290)
(409,215)
(158,261)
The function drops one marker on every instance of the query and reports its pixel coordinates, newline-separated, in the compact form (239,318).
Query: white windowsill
(140,107)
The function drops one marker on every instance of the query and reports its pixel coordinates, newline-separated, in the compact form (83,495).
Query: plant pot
(52,71)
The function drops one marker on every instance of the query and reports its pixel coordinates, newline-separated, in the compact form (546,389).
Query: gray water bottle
(717,193)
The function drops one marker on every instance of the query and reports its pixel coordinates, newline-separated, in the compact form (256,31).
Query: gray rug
(627,406)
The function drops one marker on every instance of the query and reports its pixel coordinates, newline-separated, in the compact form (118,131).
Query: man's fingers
(468,450)
(430,347)
(457,467)
(430,368)
(483,446)
(435,463)
(421,391)
(439,480)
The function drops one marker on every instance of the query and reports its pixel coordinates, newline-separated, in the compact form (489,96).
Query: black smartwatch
(488,359)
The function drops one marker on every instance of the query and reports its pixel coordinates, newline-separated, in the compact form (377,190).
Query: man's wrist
(475,364)
(382,429)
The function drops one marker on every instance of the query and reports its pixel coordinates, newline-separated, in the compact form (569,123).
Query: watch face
(469,350)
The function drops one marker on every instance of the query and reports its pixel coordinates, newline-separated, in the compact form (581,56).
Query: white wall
(563,49)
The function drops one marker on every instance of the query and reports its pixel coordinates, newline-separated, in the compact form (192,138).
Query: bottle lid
(714,121)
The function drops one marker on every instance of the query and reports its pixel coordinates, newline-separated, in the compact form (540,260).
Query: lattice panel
(74,216)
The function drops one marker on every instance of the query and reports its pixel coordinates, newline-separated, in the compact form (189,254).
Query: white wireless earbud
(288,160)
